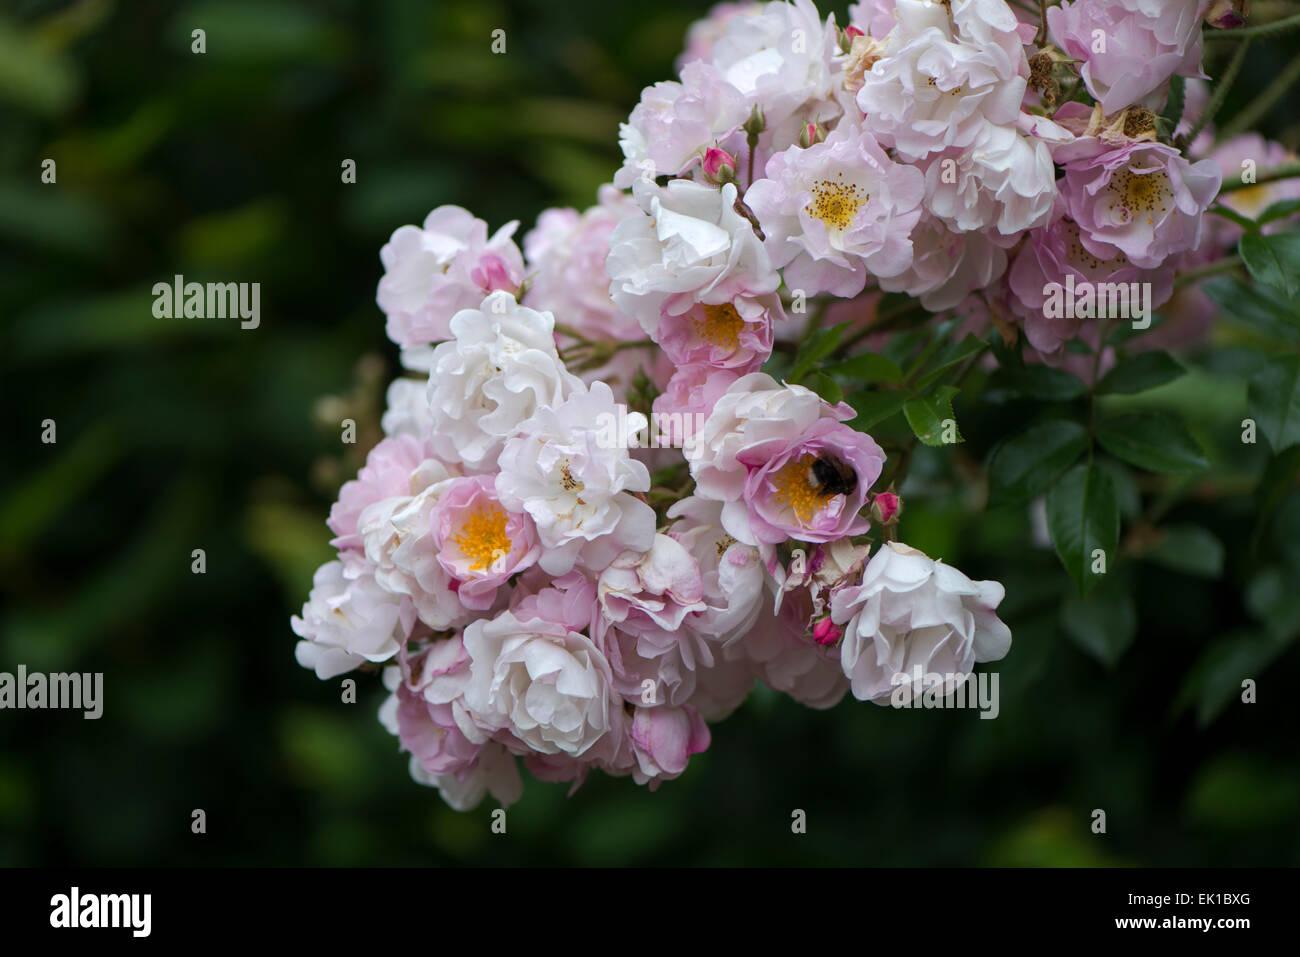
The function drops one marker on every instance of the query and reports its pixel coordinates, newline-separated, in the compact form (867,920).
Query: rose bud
(719,166)
(885,508)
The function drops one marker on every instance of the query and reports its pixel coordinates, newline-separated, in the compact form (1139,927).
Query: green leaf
(954,355)
(1279,210)
(1103,624)
(821,344)
(1189,549)
(1026,464)
(927,416)
(1257,306)
(868,367)
(1083,519)
(1273,401)
(1035,382)
(1274,260)
(1216,677)
(1140,373)
(824,386)
(1153,441)
(875,407)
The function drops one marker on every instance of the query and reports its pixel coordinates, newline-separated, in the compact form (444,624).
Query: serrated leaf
(1083,518)
(1026,464)
(1274,260)
(928,416)
(1140,373)
(1273,401)
(1153,441)
(821,344)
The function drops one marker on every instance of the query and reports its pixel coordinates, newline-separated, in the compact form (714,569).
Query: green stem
(1285,171)
(1220,90)
(1250,116)
(1226,264)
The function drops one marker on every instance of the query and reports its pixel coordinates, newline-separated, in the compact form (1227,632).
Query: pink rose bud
(810,134)
(826,632)
(885,508)
(719,166)
(1227,14)
(853,32)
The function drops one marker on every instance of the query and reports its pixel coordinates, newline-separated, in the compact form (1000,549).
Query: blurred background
(183,434)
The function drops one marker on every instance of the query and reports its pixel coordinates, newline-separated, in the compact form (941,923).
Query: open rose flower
(759,455)
(838,212)
(478,542)
(548,686)
(910,611)
(690,246)
(1144,199)
(501,367)
(1143,44)
(569,469)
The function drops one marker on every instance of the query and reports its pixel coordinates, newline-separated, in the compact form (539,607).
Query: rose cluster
(594,521)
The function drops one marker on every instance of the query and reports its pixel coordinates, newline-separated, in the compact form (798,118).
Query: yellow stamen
(483,537)
(720,326)
(835,203)
(1148,193)
(795,490)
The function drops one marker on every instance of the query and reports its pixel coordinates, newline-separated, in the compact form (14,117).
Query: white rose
(349,618)
(911,611)
(689,246)
(548,686)
(569,468)
(499,369)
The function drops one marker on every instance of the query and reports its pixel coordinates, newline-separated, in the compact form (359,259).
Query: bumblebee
(829,476)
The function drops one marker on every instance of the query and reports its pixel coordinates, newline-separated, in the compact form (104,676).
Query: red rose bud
(1227,14)
(853,31)
(826,632)
(885,508)
(719,166)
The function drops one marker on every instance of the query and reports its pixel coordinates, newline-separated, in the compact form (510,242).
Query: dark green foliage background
(175,435)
